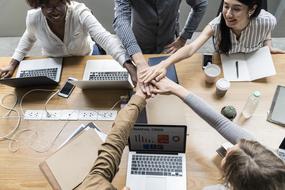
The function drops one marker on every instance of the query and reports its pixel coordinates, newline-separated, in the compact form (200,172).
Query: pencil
(237,69)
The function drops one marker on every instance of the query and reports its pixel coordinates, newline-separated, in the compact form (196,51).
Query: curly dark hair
(37,3)
(225,45)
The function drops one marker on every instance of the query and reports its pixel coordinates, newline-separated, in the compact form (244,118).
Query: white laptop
(104,73)
(157,158)
(33,72)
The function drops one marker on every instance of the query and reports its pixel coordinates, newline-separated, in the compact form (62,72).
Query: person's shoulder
(33,16)
(266,17)
(216,20)
(77,7)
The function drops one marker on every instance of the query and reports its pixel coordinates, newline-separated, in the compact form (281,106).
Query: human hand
(132,71)
(166,86)
(174,46)
(7,71)
(156,72)
(126,188)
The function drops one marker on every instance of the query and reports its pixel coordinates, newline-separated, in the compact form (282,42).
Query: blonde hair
(253,167)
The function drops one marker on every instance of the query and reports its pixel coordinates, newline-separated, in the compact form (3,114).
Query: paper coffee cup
(212,72)
(222,85)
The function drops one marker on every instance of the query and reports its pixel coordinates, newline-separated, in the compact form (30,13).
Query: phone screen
(68,87)
(282,145)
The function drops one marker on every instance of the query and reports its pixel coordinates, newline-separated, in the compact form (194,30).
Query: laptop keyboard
(156,165)
(109,76)
(50,73)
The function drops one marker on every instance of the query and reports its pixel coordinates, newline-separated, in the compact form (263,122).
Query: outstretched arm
(110,153)
(224,126)
(157,72)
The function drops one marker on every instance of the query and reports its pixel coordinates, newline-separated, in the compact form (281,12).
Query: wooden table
(20,170)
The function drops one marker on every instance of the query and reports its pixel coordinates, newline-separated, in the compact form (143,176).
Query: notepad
(248,66)
(68,166)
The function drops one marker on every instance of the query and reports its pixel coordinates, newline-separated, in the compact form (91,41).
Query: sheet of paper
(250,66)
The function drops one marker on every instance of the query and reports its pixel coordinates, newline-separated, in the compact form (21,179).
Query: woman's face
(236,14)
(54,10)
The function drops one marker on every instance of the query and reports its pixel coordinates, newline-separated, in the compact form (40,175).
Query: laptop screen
(158,138)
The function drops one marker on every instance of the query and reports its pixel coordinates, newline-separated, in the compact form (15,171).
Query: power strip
(72,115)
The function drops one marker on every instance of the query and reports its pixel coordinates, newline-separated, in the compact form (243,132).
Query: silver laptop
(36,72)
(157,157)
(49,67)
(104,73)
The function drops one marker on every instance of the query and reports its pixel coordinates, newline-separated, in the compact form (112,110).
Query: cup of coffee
(222,85)
(212,71)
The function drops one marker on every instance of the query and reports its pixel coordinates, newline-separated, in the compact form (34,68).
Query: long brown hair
(225,44)
(253,167)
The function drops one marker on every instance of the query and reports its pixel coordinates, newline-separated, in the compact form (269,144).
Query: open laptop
(157,157)
(104,73)
(36,72)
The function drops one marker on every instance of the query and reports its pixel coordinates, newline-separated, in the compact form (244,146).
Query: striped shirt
(252,37)
(149,25)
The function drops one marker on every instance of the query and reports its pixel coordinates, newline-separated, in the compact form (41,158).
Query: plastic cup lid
(223,84)
(212,70)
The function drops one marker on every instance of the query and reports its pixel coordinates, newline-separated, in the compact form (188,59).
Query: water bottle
(251,104)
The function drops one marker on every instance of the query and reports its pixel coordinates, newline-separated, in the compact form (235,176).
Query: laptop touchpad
(155,183)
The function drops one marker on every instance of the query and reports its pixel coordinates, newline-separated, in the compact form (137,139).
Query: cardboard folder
(68,166)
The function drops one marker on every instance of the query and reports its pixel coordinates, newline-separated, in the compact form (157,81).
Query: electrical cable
(10,109)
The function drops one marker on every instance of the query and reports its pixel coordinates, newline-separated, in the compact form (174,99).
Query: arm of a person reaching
(229,130)
(24,46)
(268,42)
(157,72)
(194,18)
(109,42)
(110,153)
(122,27)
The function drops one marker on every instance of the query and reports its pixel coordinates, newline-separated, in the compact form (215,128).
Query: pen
(237,69)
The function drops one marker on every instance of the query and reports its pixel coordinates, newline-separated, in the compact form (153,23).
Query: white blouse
(252,37)
(80,26)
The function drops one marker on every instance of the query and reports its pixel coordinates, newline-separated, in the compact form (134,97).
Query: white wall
(13,13)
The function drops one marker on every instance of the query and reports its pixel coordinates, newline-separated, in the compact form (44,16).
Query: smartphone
(281,150)
(67,88)
(207,60)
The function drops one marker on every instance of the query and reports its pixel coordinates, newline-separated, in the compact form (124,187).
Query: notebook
(248,66)
(68,166)
(36,72)
(104,73)
(171,71)
(156,158)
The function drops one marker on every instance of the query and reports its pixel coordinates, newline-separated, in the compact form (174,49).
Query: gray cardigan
(230,131)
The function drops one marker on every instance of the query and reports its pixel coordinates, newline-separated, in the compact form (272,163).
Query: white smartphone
(67,88)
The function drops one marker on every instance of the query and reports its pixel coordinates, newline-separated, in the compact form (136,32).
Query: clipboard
(276,112)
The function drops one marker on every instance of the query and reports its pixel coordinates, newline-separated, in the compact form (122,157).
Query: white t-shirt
(80,26)
(252,37)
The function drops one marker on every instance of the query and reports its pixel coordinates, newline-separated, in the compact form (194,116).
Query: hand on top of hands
(156,72)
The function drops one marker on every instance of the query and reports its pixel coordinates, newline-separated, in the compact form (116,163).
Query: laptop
(157,157)
(104,74)
(36,72)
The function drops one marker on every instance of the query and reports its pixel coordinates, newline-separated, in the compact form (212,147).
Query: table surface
(20,170)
